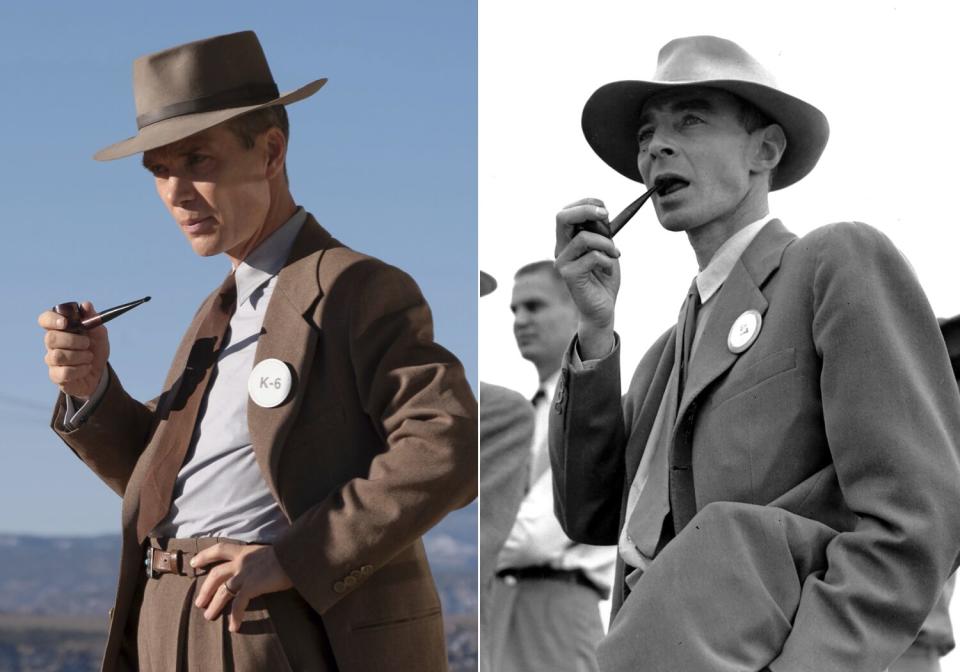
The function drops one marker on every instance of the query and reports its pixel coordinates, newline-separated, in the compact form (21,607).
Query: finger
(584,242)
(570,217)
(68,374)
(237,610)
(217,576)
(51,320)
(585,201)
(220,600)
(61,357)
(593,263)
(64,340)
(216,553)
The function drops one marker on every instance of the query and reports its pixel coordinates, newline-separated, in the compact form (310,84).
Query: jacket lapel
(290,335)
(740,292)
(143,471)
(642,425)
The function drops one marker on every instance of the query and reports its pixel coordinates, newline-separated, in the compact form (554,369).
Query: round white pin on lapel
(269,383)
(744,331)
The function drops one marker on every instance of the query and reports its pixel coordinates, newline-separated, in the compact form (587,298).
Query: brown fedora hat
(610,116)
(195,86)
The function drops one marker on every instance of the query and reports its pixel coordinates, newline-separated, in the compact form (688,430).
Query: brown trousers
(280,631)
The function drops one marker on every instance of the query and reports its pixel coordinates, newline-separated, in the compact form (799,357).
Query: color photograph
(317,162)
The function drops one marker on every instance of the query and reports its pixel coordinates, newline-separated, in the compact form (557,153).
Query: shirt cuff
(586,365)
(73,417)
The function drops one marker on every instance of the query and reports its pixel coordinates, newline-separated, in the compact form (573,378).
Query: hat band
(251,94)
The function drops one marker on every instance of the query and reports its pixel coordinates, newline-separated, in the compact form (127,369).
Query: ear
(771,143)
(276,146)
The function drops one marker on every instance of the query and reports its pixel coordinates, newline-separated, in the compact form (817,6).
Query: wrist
(595,341)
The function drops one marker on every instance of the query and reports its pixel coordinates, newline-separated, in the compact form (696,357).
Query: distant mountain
(55,593)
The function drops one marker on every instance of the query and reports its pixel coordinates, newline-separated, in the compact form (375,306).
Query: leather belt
(159,562)
(545,573)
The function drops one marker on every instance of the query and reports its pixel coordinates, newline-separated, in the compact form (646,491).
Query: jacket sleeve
(416,395)
(506,430)
(891,413)
(112,437)
(587,443)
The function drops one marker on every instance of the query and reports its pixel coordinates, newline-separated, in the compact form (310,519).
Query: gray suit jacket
(844,411)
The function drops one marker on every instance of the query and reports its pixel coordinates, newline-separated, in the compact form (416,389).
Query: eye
(195,160)
(157,170)
(690,120)
(644,136)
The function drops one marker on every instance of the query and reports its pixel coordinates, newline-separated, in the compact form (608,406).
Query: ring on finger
(230,591)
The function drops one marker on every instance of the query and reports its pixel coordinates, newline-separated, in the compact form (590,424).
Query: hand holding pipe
(610,229)
(77,323)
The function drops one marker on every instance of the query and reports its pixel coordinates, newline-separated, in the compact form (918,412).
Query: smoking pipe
(610,229)
(76,321)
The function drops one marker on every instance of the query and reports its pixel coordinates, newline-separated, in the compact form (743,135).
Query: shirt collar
(711,278)
(268,257)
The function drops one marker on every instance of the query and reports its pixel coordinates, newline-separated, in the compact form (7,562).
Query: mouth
(197,225)
(525,338)
(669,184)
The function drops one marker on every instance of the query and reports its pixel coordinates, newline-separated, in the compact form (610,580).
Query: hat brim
(610,118)
(487,283)
(177,128)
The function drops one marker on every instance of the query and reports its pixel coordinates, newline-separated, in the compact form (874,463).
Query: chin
(203,250)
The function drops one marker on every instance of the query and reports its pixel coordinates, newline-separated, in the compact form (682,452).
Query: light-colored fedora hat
(611,114)
(195,86)
(487,283)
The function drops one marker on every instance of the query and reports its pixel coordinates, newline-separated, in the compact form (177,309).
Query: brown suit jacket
(844,411)
(377,443)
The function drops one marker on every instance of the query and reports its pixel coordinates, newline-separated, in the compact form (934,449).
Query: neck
(707,238)
(544,371)
(281,209)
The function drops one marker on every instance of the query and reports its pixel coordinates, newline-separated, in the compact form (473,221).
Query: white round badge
(744,331)
(269,383)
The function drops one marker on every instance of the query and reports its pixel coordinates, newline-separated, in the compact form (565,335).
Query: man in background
(548,588)
(506,429)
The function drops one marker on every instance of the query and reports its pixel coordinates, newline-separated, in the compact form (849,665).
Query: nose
(520,318)
(178,191)
(661,145)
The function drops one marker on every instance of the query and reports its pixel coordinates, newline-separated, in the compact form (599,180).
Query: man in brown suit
(309,430)
(782,476)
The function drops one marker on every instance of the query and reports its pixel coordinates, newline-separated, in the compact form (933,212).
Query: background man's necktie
(175,432)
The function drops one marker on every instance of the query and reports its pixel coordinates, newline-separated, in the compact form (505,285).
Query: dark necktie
(649,525)
(683,504)
(178,416)
(689,332)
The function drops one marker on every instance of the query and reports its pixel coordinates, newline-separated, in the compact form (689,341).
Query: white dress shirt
(709,281)
(536,538)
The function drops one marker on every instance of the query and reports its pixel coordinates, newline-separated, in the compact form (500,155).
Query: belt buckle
(148,563)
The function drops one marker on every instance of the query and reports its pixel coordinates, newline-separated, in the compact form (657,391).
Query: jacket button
(355,574)
(350,581)
(366,570)
(339,587)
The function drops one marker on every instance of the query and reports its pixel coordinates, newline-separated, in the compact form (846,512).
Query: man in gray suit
(782,476)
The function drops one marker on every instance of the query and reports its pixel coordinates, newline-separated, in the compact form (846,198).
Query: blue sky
(385,156)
